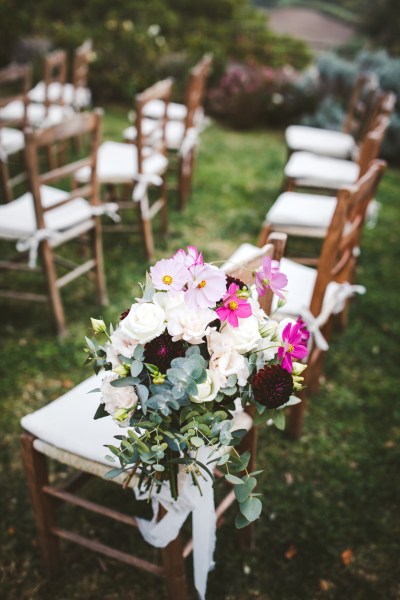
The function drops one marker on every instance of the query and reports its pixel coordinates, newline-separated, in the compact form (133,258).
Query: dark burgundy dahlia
(162,350)
(125,314)
(230,280)
(272,386)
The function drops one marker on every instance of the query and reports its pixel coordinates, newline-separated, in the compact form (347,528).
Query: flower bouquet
(184,361)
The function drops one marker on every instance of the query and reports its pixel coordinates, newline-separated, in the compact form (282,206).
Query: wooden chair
(317,294)
(310,171)
(66,432)
(338,144)
(54,87)
(183,128)
(137,167)
(47,217)
(15,81)
(49,109)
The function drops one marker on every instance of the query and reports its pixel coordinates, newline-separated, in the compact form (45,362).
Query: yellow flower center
(290,348)
(202,284)
(167,279)
(233,305)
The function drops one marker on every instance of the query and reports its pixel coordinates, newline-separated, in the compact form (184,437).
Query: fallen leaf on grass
(347,557)
(291,552)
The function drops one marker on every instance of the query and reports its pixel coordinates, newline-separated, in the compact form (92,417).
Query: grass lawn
(334,491)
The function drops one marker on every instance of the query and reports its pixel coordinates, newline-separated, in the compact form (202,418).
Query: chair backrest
(54,72)
(88,124)
(339,250)
(15,82)
(360,104)
(80,68)
(274,248)
(371,145)
(196,88)
(159,91)
(384,105)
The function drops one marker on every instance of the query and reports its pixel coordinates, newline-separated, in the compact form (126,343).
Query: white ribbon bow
(32,244)
(335,305)
(110,209)
(143,182)
(189,143)
(161,533)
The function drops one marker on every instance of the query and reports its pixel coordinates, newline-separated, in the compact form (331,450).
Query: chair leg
(145,223)
(164,208)
(54,293)
(296,415)
(97,251)
(35,465)
(185,178)
(5,181)
(174,569)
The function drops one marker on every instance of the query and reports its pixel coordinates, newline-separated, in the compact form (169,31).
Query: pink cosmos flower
(169,274)
(233,307)
(205,287)
(305,334)
(270,277)
(192,258)
(292,345)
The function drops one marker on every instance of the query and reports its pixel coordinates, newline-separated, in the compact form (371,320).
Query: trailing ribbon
(110,209)
(143,182)
(32,244)
(190,500)
(334,306)
(189,143)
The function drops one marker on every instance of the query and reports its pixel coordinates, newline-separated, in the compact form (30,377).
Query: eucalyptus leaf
(279,419)
(251,508)
(241,521)
(101,412)
(196,441)
(233,479)
(136,368)
(124,381)
(113,473)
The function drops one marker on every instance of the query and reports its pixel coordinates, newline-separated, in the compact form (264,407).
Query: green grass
(334,490)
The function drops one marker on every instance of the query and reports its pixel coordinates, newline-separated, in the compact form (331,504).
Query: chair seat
(37,114)
(310,170)
(11,140)
(18,220)
(174,132)
(303,210)
(67,424)
(320,141)
(155,110)
(117,163)
(78,97)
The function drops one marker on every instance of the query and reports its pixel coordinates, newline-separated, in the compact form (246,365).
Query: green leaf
(241,521)
(241,492)
(113,473)
(159,468)
(124,381)
(279,419)
(233,479)
(101,412)
(251,508)
(138,353)
(136,368)
(196,441)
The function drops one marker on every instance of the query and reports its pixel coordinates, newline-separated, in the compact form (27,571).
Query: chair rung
(23,296)
(87,266)
(88,505)
(96,546)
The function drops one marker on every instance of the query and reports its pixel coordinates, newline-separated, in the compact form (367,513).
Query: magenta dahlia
(162,350)
(272,386)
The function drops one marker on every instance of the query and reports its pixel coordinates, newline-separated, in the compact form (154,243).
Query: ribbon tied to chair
(143,180)
(190,500)
(189,143)
(334,305)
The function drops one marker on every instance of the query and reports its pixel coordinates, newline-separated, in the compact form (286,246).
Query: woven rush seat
(336,144)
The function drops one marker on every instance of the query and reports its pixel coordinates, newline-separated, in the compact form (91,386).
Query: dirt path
(318,30)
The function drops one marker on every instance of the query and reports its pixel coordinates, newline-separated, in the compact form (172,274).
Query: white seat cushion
(174,132)
(311,170)
(68,423)
(301,282)
(320,141)
(304,210)
(78,97)
(155,110)
(18,219)
(117,163)
(37,113)
(11,140)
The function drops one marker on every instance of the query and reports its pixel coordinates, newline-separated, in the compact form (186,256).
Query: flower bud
(121,370)
(98,325)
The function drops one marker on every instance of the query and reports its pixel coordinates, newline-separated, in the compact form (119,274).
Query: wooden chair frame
(46,497)
(85,123)
(337,263)
(80,69)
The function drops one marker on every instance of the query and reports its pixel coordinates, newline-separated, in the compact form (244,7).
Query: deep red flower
(272,386)
(162,350)
(125,314)
(230,280)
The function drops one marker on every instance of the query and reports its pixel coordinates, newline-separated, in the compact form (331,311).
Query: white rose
(207,390)
(190,325)
(243,338)
(120,344)
(229,362)
(115,398)
(168,301)
(144,322)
